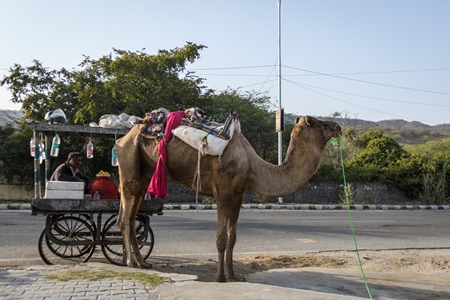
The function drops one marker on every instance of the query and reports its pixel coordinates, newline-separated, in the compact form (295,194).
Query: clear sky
(375,60)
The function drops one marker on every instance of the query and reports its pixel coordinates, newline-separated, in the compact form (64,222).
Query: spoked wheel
(112,241)
(69,240)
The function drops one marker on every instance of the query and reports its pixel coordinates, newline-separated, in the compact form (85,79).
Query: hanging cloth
(158,183)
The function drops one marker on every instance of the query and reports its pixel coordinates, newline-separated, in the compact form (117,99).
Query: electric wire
(374,83)
(357,105)
(370,97)
(313,73)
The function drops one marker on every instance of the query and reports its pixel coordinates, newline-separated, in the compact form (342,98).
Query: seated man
(69,171)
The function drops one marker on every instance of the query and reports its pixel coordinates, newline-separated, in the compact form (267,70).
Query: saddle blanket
(194,137)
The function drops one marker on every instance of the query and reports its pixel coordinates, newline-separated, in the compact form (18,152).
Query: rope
(338,141)
(202,151)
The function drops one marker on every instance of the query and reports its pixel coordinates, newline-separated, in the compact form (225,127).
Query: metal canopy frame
(49,130)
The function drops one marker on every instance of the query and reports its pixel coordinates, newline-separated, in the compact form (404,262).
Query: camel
(226,178)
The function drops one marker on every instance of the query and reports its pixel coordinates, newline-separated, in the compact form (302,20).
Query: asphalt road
(192,235)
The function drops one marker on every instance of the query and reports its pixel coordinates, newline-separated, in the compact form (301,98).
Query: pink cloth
(158,184)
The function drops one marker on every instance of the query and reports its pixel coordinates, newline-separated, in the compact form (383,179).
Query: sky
(371,60)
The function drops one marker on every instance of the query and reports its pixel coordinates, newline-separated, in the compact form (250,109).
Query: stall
(74,227)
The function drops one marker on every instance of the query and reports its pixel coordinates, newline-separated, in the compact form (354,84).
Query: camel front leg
(223,208)
(221,244)
(232,236)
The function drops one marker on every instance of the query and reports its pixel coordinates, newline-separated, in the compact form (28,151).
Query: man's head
(74,160)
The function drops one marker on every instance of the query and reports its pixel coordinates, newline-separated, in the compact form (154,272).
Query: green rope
(338,141)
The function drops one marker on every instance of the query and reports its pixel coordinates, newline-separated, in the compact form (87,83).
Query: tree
(377,150)
(136,83)
(255,114)
(15,160)
(123,81)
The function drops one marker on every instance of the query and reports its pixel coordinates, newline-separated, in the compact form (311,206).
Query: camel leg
(232,236)
(126,222)
(223,210)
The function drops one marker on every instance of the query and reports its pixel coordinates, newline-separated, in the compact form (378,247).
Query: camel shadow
(349,282)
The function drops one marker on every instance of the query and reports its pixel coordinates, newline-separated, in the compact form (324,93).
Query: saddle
(193,129)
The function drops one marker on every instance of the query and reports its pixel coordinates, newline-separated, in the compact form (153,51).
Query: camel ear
(307,121)
(297,120)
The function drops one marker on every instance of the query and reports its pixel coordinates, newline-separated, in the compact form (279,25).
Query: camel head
(316,130)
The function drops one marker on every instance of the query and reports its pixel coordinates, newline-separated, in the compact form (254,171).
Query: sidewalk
(28,283)
(309,283)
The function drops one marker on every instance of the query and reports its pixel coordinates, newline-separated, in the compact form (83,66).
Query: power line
(378,72)
(364,107)
(370,97)
(375,83)
(335,75)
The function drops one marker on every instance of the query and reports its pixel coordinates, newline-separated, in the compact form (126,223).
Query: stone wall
(314,193)
(13,192)
(311,193)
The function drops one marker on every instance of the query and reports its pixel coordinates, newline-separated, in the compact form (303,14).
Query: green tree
(16,164)
(123,81)
(136,83)
(255,114)
(377,150)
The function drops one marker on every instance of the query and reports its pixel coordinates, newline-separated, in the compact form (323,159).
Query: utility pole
(280,112)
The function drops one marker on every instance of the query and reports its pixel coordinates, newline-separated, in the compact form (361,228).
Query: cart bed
(74,206)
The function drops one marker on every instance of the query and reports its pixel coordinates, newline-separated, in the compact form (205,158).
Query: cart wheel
(66,229)
(112,218)
(112,241)
(88,219)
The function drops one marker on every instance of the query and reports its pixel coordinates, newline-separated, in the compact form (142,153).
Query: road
(191,234)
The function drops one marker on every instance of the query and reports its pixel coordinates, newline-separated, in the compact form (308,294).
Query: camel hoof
(131,264)
(237,279)
(221,278)
(145,265)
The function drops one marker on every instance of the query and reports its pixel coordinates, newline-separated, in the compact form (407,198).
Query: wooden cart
(74,227)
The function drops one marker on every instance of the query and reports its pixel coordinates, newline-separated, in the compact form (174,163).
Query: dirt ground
(412,274)
(401,261)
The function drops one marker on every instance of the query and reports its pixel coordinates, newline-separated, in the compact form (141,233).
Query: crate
(64,190)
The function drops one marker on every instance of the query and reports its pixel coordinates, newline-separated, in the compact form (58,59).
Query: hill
(403,132)
(10,117)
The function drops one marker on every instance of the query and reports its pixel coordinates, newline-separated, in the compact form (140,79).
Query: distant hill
(403,132)
(393,124)
(10,117)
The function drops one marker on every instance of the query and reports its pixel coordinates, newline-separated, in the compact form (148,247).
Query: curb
(310,207)
(21,206)
(27,206)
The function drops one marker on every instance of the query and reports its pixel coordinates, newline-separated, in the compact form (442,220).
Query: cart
(74,227)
